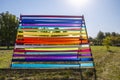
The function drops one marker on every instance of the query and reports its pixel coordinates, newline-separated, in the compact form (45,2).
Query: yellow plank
(52,49)
(39,33)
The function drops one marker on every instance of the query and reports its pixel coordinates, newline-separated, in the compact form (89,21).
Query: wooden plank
(20,50)
(51,16)
(52,21)
(50,59)
(50,25)
(40,33)
(50,55)
(53,43)
(46,46)
(86,65)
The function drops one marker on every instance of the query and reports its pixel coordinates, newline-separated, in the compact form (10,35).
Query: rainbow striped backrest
(47,41)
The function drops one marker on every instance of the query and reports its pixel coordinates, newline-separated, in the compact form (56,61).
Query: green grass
(107,67)
(5,58)
(107,63)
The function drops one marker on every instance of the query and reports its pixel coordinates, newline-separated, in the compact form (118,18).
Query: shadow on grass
(42,74)
(111,51)
(5,48)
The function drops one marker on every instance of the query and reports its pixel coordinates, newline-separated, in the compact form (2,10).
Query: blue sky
(101,15)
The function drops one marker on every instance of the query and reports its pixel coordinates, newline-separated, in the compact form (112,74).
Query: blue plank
(86,59)
(87,65)
(44,65)
(55,22)
(82,65)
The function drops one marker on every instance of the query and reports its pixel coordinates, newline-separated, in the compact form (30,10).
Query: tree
(107,42)
(56,30)
(107,34)
(115,40)
(90,38)
(8,27)
(45,30)
(113,34)
(100,35)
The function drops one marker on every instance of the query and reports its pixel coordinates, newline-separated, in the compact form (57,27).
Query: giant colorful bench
(52,42)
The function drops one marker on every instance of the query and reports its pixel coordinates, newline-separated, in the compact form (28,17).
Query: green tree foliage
(107,42)
(8,28)
(115,40)
(113,34)
(45,30)
(107,34)
(90,38)
(56,30)
(101,38)
(100,35)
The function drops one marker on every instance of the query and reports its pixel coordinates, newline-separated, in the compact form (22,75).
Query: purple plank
(86,54)
(51,25)
(70,57)
(50,55)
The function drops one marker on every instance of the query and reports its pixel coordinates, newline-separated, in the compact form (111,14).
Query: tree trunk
(8,44)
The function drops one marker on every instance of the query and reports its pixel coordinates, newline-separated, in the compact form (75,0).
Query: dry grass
(107,63)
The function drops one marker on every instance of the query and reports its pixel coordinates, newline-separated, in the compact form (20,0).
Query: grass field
(107,67)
